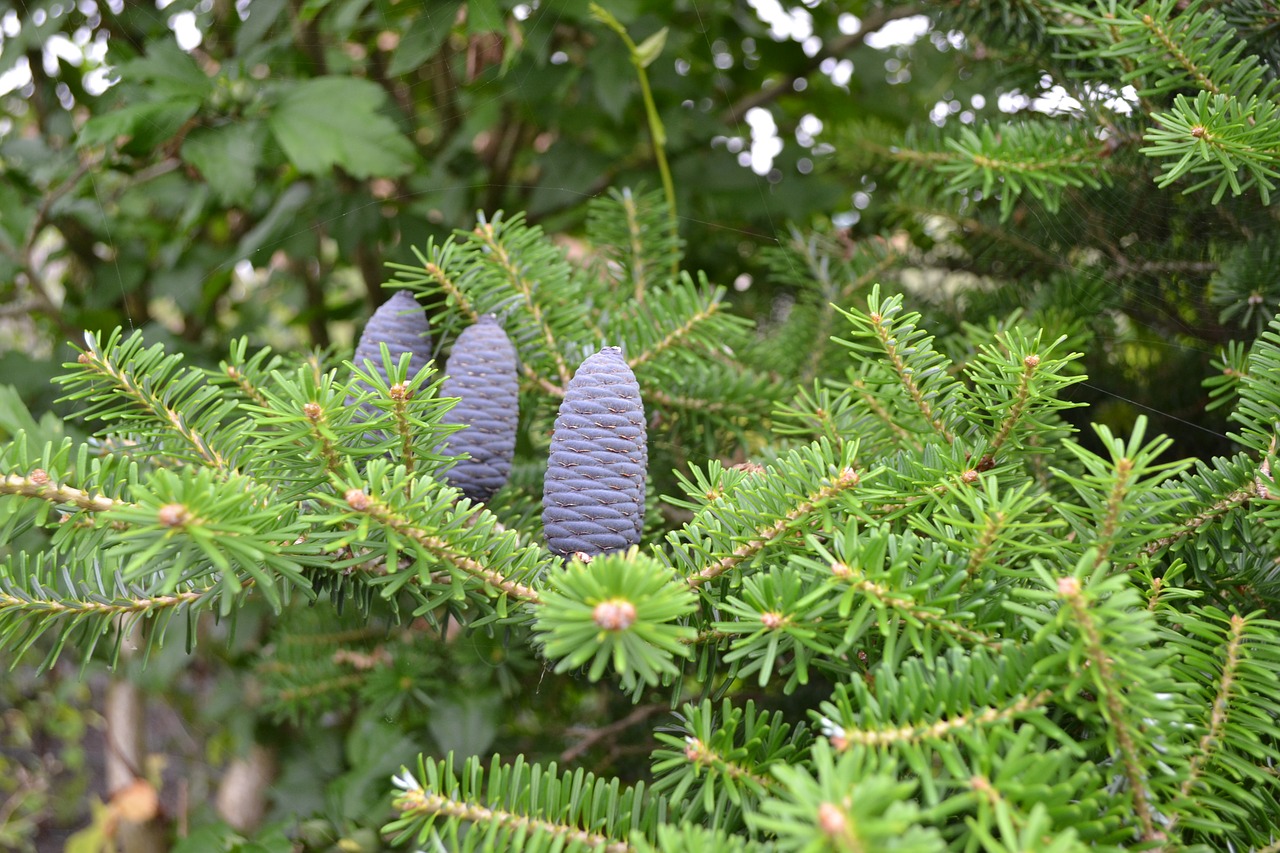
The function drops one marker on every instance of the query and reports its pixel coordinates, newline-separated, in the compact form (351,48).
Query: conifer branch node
(37,484)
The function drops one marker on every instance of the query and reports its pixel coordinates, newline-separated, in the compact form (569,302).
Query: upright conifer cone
(401,324)
(482,372)
(593,495)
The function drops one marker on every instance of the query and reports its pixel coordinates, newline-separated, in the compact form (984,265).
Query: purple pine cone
(593,495)
(482,372)
(401,324)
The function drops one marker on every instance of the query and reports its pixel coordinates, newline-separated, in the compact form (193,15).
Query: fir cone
(482,372)
(593,495)
(401,324)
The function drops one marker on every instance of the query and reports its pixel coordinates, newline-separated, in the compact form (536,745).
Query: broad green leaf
(170,72)
(144,126)
(483,16)
(423,38)
(334,121)
(262,15)
(227,157)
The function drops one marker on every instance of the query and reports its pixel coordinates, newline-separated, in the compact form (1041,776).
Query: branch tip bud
(1032,360)
(357,500)
(616,614)
(173,515)
(313,411)
(39,477)
(831,819)
(1068,587)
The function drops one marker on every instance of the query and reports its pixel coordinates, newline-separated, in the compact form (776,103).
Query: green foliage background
(260,189)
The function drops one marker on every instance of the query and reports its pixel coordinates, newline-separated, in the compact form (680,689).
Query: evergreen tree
(887,594)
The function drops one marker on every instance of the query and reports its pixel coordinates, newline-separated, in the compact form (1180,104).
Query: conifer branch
(417,803)
(667,400)
(906,376)
(907,606)
(1221,707)
(1108,685)
(311,690)
(74,608)
(522,285)
(1230,502)
(38,485)
(438,547)
(1030,363)
(1115,505)
(246,387)
(1164,37)
(636,235)
(675,336)
(878,409)
(453,293)
(700,753)
(847,479)
(143,398)
(843,737)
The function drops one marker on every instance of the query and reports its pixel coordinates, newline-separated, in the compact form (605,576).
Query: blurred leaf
(228,157)
(262,15)
(651,48)
(483,16)
(145,125)
(467,726)
(334,121)
(423,38)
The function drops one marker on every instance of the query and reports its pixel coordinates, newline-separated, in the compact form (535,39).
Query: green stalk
(641,56)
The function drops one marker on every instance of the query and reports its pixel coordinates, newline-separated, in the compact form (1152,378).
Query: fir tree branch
(843,737)
(675,336)
(50,607)
(986,541)
(417,803)
(1164,37)
(439,548)
(1131,763)
(404,428)
(311,690)
(453,293)
(667,400)
(636,236)
(1115,506)
(246,387)
(878,409)
(907,606)
(38,485)
(907,377)
(1030,363)
(701,754)
(522,285)
(1212,738)
(314,413)
(1233,501)
(94,363)
(847,479)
